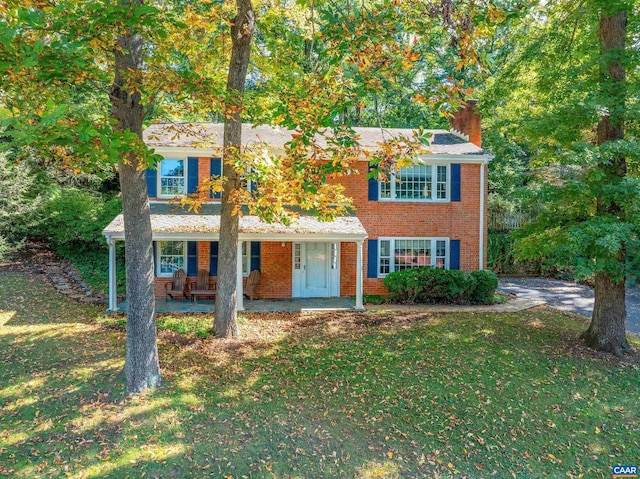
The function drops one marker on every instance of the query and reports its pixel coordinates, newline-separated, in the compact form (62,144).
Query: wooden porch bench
(201,286)
(202,292)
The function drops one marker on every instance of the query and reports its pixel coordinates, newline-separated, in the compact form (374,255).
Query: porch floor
(288,304)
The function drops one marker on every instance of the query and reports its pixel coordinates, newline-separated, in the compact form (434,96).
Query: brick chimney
(466,122)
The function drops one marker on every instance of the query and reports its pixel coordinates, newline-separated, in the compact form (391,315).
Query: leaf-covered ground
(324,395)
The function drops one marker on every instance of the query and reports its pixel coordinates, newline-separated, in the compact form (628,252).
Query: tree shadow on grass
(32,301)
(313,395)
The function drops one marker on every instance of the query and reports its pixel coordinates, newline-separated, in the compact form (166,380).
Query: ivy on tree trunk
(242,28)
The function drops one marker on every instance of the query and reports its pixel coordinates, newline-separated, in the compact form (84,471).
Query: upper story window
(417,183)
(171,257)
(171,177)
(396,254)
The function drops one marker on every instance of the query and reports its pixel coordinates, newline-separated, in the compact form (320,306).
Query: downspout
(481,235)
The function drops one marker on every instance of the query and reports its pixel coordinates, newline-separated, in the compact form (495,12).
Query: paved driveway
(569,296)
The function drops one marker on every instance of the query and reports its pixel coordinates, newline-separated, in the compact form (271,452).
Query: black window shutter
(192,175)
(152,183)
(255,255)
(215,170)
(192,258)
(455,182)
(373,185)
(154,245)
(213,259)
(454,254)
(372,258)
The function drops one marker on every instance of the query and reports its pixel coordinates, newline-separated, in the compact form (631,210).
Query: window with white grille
(396,254)
(172,177)
(417,183)
(171,257)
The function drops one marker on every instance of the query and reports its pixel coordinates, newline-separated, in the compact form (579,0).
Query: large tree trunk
(607,329)
(226,322)
(141,369)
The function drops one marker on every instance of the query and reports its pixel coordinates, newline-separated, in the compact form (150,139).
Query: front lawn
(314,395)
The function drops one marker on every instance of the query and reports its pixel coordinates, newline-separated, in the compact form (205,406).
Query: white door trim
(298,275)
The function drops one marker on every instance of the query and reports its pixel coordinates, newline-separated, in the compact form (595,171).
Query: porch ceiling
(171,222)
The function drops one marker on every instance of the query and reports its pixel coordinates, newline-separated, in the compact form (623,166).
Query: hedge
(436,285)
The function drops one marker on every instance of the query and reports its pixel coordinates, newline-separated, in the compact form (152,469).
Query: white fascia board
(185,152)
(302,237)
(481,159)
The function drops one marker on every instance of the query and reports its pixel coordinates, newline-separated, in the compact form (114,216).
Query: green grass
(324,395)
(199,325)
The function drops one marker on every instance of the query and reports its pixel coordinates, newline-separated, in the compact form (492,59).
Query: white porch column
(239,293)
(483,189)
(359,304)
(113,292)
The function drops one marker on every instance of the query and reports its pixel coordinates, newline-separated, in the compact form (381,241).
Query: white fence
(508,220)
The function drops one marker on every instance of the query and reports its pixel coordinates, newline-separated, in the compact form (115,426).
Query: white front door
(315,270)
(316,273)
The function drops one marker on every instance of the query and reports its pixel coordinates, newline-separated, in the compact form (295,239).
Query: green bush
(486,285)
(72,221)
(436,285)
(500,254)
(75,219)
(93,266)
(20,201)
(430,285)
(6,249)
(372,299)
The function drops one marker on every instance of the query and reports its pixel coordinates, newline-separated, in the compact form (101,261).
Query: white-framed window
(171,256)
(297,256)
(172,177)
(334,256)
(246,258)
(417,183)
(247,184)
(396,254)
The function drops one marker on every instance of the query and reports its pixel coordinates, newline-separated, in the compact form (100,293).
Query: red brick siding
(348,266)
(204,248)
(468,122)
(276,267)
(454,220)
(204,172)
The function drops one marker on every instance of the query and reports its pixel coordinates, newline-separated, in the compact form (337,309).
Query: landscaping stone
(61,273)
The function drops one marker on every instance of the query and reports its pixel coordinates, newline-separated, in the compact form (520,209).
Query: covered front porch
(256,305)
(305,266)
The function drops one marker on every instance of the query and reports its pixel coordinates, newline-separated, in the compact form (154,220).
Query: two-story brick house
(432,214)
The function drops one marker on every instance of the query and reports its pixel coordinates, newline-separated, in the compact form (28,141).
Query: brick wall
(454,220)
(276,267)
(348,265)
(204,172)
(468,122)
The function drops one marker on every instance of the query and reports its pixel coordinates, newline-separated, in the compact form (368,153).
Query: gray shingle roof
(167,218)
(210,135)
